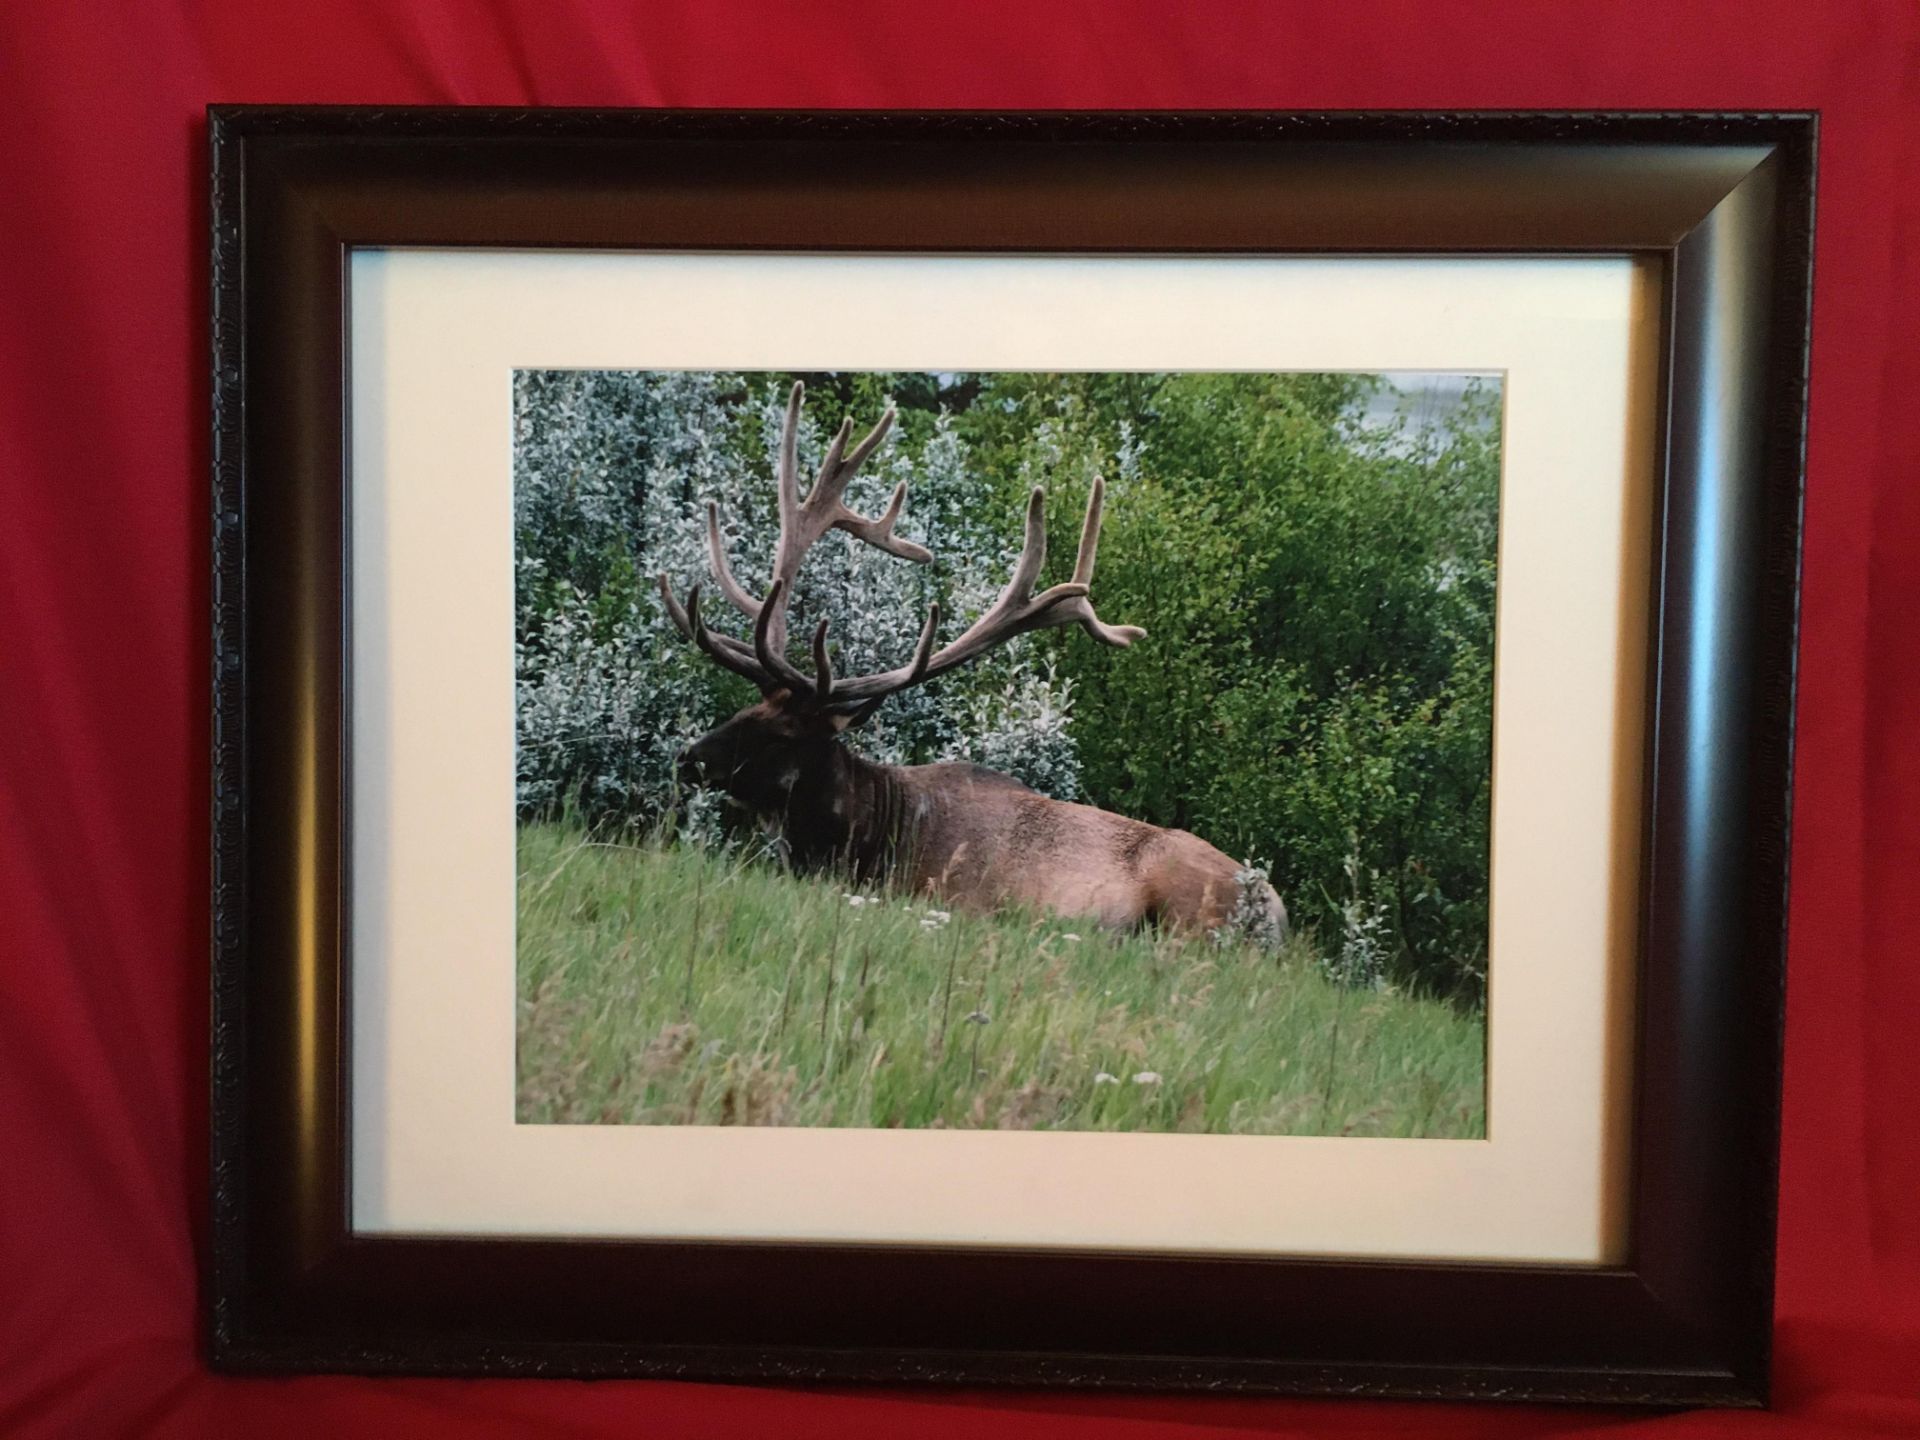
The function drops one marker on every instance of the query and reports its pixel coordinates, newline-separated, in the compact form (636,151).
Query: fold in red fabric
(104,651)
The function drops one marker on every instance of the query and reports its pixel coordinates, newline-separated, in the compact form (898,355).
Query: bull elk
(956,832)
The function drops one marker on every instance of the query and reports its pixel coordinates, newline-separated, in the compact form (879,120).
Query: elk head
(767,750)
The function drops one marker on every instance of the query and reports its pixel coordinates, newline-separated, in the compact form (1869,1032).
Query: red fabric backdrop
(104,594)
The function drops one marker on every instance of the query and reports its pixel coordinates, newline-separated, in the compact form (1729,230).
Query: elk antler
(1018,609)
(804,521)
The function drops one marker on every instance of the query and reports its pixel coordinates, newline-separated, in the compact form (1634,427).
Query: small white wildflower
(1103,1078)
(934,919)
(1070,936)
(856,901)
(1147,1077)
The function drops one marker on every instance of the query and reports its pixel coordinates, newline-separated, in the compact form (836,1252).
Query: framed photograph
(1063,749)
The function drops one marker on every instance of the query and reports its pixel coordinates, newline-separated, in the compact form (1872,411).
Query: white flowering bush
(1252,918)
(602,709)
(1366,931)
(1020,728)
(612,472)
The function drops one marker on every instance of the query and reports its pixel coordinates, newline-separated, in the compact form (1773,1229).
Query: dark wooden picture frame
(1724,201)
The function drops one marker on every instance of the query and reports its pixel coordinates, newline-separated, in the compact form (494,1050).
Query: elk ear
(842,720)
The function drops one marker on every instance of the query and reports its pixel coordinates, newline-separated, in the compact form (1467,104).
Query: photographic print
(1073,751)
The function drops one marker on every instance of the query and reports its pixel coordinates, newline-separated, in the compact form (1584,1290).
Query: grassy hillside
(669,986)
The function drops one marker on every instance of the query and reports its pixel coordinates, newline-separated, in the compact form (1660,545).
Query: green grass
(663,985)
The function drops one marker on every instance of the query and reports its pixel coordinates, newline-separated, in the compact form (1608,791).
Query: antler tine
(1090,533)
(835,450)
(794,541)
(789,462)
(875,687)
(822,666)
(726,652)
(867,446)
(1082,609)
(923,647)
(735,592)
(879,533)
(1033,550)
(674,613)
(770,655)
(1118,636)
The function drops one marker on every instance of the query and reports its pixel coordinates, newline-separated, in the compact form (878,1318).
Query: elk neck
(844,812)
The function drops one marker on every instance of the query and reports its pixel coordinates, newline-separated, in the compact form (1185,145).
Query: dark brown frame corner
(1724,200)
